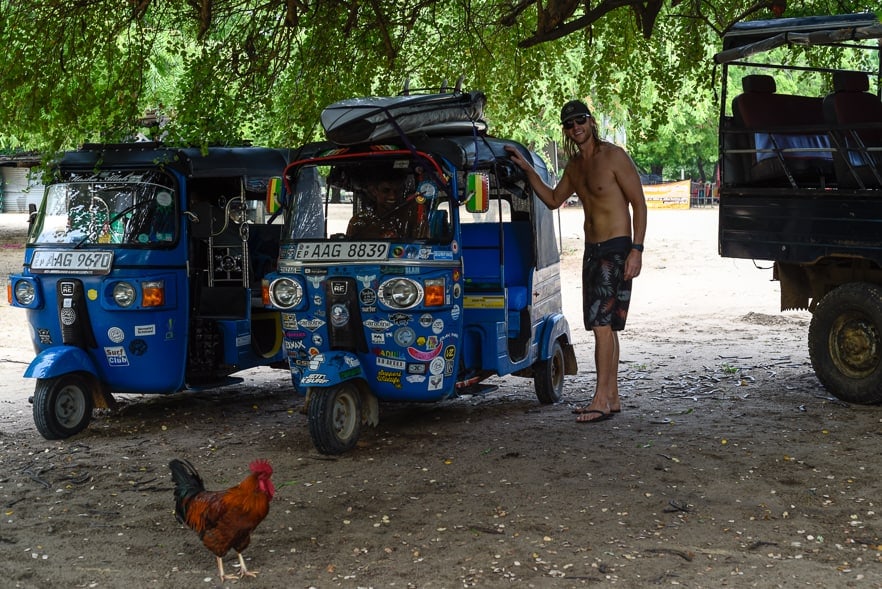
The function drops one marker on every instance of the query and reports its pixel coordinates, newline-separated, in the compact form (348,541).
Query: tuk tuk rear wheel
(334,416)
(548,376)
(62,405)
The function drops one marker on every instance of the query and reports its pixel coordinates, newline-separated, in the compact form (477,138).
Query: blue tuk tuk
(458,282)
(142,274)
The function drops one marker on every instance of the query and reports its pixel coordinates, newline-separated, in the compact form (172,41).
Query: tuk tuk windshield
(367,199)
(108,209)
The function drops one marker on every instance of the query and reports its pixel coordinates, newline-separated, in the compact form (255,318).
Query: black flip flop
(603,416)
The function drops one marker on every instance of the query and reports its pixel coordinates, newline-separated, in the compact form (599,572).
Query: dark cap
(572,109)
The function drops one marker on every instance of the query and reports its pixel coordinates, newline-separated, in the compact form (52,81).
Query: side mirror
(274,189)
(477,193)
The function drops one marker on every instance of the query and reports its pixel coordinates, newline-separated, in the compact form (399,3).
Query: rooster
(223,519)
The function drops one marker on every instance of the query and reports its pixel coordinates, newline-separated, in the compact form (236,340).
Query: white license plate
(341,251)
(72,261)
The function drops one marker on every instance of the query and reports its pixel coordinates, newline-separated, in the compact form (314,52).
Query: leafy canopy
(225,71)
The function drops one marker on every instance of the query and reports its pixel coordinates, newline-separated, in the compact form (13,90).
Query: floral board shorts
(606,294)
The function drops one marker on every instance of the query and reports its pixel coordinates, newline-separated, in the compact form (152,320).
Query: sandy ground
(729,465)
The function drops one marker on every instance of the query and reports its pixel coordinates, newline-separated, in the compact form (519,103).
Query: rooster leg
(243,570)
(220,570)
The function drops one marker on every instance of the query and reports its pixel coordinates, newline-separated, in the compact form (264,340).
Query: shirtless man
(605,179)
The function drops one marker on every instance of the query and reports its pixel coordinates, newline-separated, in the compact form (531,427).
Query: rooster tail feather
(188,483)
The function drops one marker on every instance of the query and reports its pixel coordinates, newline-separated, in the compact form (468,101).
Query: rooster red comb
(260,467)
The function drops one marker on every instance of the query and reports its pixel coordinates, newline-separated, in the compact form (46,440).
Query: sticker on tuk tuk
(71,261)
(315,378)
(424,356)
(483,302)
(116,335)
(390,363)
(116,356)
(391,377)
(341,251)
(145,330)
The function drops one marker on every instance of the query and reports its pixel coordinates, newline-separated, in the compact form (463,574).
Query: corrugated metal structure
(20,188)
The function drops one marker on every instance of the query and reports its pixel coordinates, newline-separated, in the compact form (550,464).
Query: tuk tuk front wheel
(548,376)
(62,406)
(334,416)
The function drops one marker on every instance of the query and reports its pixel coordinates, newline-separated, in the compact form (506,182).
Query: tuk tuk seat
(483,269)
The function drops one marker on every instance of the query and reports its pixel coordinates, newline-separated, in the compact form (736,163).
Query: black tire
(62,405)
(548,376)
(845,342)
(334,416)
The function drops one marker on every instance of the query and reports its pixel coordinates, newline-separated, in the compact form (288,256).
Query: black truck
(801,180)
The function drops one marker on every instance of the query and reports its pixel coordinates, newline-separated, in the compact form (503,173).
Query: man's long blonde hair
(572,150)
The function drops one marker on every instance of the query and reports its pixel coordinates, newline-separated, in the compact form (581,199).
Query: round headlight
(124,294)
(24,293)
(400,293)
(285,293)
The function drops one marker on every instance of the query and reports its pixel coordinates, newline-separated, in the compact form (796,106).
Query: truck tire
(845,342)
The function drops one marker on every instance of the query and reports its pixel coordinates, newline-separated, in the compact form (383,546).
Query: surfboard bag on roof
(372,119)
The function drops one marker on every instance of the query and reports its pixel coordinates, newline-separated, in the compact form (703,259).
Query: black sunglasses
(580,120)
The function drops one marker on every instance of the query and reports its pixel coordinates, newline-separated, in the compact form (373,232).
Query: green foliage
(229,71)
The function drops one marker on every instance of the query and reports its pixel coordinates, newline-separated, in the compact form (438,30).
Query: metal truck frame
(801,180)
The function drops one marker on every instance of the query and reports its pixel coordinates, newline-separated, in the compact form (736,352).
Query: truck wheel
(845,342)
(548,376)
(62,406)
(334,416)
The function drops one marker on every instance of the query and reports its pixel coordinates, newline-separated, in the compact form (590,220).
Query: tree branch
(562,29)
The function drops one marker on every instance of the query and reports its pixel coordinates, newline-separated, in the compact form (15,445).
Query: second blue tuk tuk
(455,282)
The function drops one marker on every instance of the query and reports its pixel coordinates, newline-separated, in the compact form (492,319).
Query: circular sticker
(116,334)
(339,315)
(367,296)
(68,316)
(163,198)
(428,189)
(404,336)
(436,366)
(138,347)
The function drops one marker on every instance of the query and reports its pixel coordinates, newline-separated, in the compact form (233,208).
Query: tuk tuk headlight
(25,293)
(285,293)
(123,294)
(400,293)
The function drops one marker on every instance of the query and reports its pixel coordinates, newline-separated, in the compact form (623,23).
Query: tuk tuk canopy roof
(463,152)
(216,162)
(752,37)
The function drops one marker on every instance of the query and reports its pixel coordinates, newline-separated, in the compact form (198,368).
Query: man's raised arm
(552,197)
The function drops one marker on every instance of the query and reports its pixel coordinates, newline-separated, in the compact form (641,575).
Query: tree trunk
(701,173)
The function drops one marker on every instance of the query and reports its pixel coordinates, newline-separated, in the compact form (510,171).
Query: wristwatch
(637,246)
